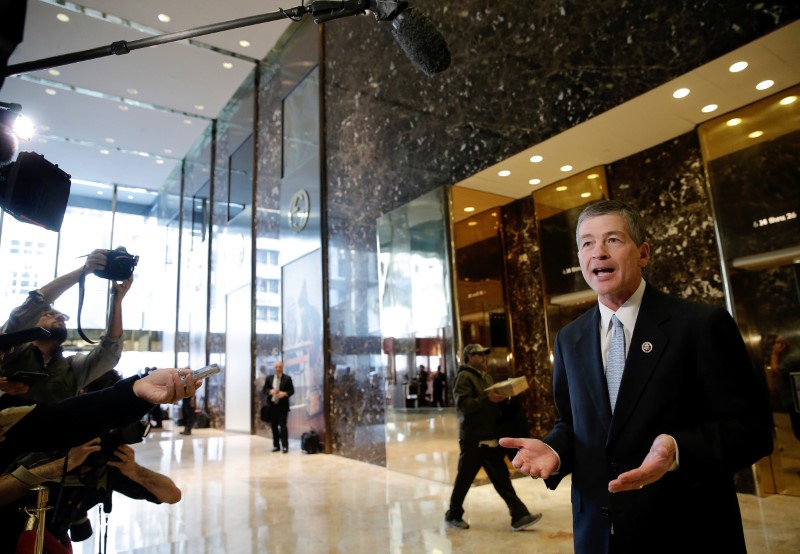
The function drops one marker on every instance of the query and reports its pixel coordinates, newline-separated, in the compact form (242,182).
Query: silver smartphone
(204,372)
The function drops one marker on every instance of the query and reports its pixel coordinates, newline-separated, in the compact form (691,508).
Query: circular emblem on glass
(299,210)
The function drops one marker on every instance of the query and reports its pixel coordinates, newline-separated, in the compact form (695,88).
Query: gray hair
(633,221)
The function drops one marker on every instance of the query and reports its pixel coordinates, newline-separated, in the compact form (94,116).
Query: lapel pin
(647,347)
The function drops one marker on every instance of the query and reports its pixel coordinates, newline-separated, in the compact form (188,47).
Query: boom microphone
(423,45)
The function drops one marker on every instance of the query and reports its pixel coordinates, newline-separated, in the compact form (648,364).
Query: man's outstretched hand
(533,457)
(657,462)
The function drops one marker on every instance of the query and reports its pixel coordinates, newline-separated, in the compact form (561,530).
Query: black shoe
(285,449)
(276,449)
(186,433)
(523,522)
(456,523)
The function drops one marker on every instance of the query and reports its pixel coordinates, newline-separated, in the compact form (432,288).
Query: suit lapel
(591,358)
(648,343)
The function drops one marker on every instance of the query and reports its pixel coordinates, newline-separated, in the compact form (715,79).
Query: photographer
(61,377)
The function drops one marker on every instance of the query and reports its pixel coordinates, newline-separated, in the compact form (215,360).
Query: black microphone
(422,43)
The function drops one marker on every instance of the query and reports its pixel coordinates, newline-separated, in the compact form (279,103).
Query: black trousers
(280,433)
(470,461)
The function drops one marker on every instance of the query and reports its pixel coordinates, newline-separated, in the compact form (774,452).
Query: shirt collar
(627,313)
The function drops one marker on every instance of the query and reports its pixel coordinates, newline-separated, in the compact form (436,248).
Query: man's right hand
(96,260)
(533,457)
(78,455)
(13,387)
(166,386)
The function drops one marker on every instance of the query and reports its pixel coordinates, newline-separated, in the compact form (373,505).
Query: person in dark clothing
(188,406)
(478,415)
(439,388)
(278,388)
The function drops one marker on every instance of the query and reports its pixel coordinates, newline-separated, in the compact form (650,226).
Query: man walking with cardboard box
(478,414)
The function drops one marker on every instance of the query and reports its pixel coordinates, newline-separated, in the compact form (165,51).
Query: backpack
(309,442)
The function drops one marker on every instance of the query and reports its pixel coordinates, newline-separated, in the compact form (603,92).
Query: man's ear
(644,254)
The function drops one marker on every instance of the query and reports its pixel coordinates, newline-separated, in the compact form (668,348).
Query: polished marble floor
(240,498)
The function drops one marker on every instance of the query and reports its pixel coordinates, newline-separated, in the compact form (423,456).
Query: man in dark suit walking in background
(658,406)
(278,388)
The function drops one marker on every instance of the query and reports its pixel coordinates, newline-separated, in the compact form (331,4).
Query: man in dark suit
(278,388)
(652,472)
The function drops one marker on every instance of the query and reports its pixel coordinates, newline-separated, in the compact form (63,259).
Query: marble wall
(521,73)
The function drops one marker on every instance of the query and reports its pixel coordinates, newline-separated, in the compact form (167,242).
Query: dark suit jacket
(687,374)
(286,386)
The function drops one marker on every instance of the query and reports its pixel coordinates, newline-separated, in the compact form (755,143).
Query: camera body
(109,442)
(119,265)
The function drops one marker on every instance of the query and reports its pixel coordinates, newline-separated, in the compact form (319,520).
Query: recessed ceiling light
(187,121)
(504,173)
(109,140)
(586,194)
(681,93)
(199,107)
(62,17)
(100,193)
(164,18)
(709,108)
(764,85)
(104,151)
(472,223)
(50,91)
(534,181)
(737,67)
(536,159)
(469,209)
(755,134)
(167,150)
(733,122)
(160,161)
(593,176)
(244,43)
(123,107)
(566,168)
(54,72)
(788,100)
(494,214)
(133,91)
(227,65)
(561,188)
(130,197)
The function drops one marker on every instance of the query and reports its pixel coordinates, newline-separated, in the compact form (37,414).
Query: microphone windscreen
(421,42)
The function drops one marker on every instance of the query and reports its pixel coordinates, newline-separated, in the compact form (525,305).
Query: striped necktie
(616,360)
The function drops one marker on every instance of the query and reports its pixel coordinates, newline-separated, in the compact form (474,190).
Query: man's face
(610,260)
(478,361)
(278,368)
(52,319)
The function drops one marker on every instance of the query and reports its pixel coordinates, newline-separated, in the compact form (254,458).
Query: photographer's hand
(76,456)
(13,387)
(94,261)
(127,460)
(120,289)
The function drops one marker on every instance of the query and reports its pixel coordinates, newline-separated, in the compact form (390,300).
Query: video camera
(32,189)
(130,434)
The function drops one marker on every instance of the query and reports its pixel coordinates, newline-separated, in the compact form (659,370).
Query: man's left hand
(127,460)
(655,465)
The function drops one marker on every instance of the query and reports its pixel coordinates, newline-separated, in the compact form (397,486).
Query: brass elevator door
(767,304)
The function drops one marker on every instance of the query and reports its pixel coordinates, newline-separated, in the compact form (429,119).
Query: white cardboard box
(510,387)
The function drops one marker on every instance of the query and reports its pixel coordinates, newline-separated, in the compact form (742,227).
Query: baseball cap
(474,349)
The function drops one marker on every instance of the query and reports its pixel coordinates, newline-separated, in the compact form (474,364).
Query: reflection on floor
(240,498)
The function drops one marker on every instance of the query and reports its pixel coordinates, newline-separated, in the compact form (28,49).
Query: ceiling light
(737,67)
(160,161)
(755,134)
(62,17)
(133,91)
(244,43)
(504,173)
(566,168)
(187,121)
(764,85)
(100,193)
(167,150)
(788,100)
(164,18)
(104,151)
(130,197)
(54,72)
(586,194)
(494,214)
(593,176)
(681,93)
(733,122)
(50,91)
(23,127)
(561,188)
(94,184)
(199,107)
(536,159)
(534,181)
(227,65)
(469,209)
(123,107)
(472,223)
(109,140)
(710,108)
